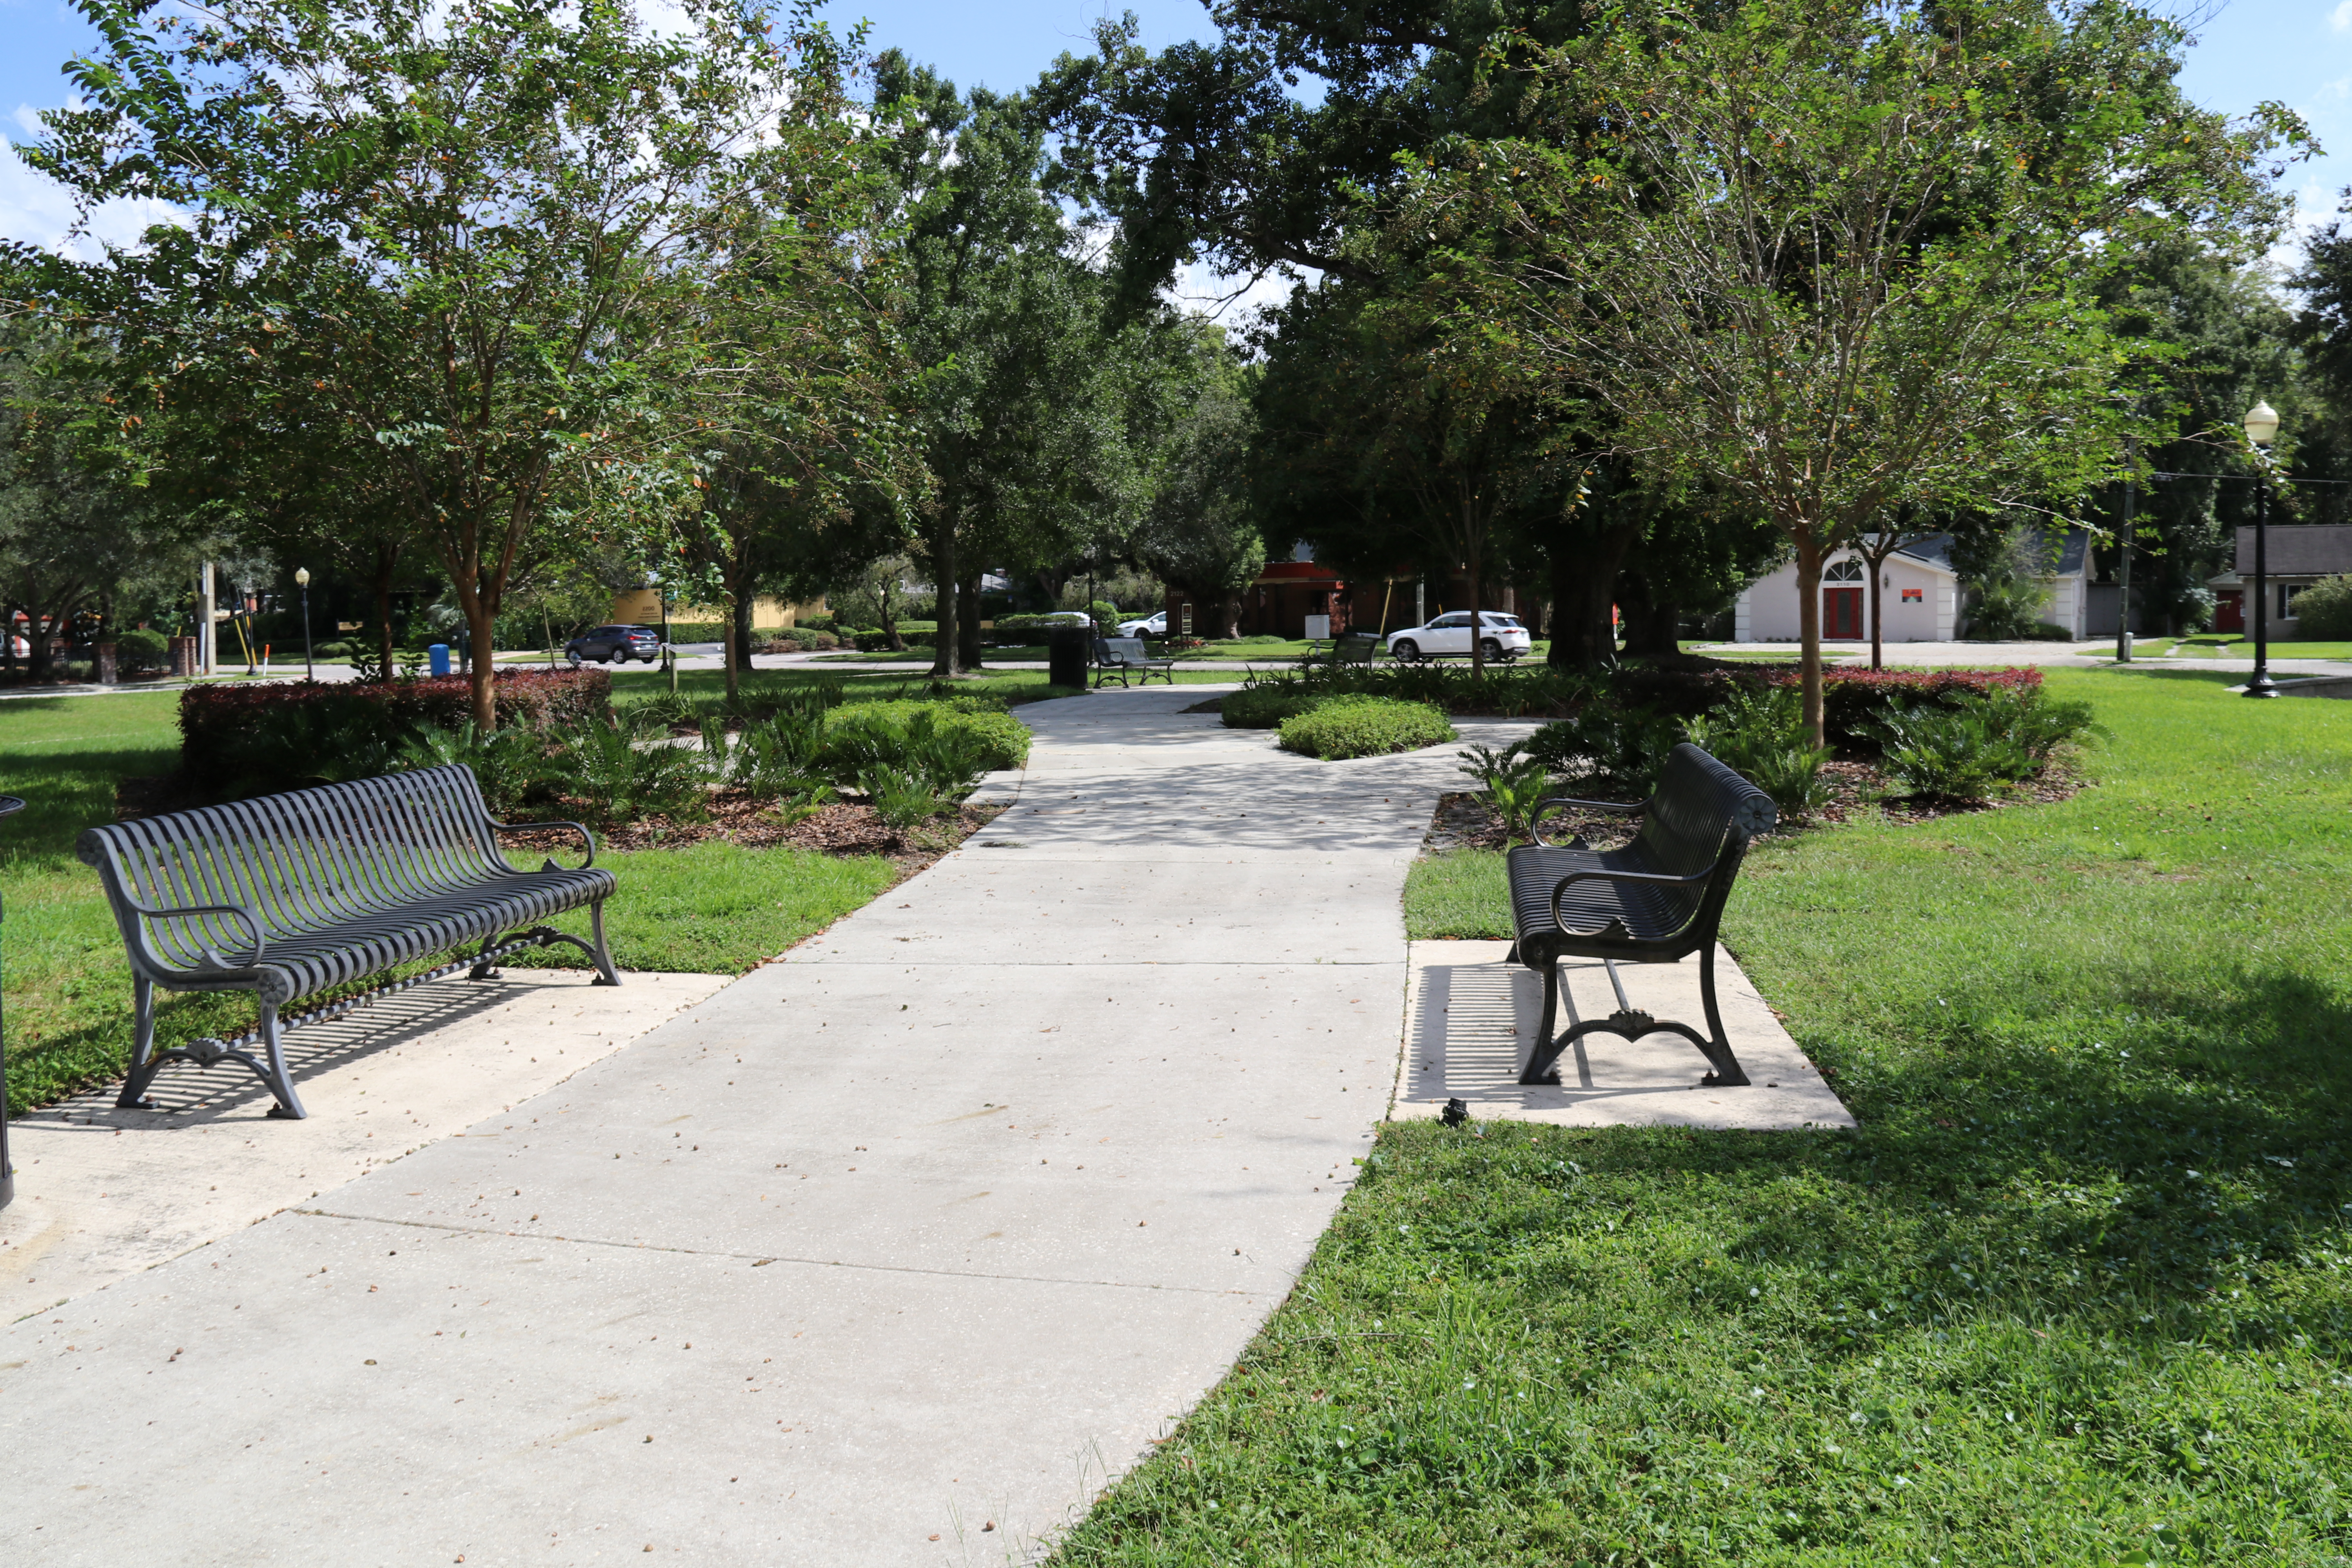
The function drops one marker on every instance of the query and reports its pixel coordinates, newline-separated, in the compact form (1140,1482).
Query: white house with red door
(1919,596)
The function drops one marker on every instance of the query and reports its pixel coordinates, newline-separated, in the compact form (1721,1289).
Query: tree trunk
(387,556)
(946,653)
(1809,630)
(1582,637)
(890,619)
(479,622)
(1477,565)
(968,623)
(1651,626)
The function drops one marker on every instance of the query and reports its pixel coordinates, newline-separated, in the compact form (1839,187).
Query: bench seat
(294,895)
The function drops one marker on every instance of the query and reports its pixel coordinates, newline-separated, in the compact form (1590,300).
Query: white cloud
(2342,20)
(37,210)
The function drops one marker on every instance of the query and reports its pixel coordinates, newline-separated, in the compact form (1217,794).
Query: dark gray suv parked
(606,644)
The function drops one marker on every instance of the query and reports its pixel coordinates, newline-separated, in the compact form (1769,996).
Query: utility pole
(205,634)
(2123,567)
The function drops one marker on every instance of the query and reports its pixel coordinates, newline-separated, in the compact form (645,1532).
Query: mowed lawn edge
(2077,1291)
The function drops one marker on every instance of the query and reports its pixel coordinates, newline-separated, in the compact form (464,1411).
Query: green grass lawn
(712,908)
(2078,1291)
(2236,645)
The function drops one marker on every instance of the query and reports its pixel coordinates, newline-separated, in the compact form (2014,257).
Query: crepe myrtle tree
(469,238)
(1834,260)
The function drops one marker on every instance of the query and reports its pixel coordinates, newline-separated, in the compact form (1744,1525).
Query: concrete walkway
(890,1252)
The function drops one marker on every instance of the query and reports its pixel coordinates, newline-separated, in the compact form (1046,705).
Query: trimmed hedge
(1344,727)
(283,737)
(1265,706)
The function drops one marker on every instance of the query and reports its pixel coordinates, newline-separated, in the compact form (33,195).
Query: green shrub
(510,765)
(1514,785)
(951,741)
(1761,736)
(1265,706)
(1952,755)
(1606,746)
(606,764)
(902,797)
(1343,727)
(139,648)
(332,650)
(2322,612)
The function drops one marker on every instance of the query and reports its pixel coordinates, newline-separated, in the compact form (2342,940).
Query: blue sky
(2298,52)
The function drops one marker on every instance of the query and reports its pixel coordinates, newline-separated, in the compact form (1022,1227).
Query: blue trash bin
(439,654)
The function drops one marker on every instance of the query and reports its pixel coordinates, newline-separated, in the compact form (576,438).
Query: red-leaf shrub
(283,737)
(1854,701)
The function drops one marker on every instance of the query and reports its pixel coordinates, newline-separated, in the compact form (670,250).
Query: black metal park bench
(1125,657)
(1656,900)
(288,896)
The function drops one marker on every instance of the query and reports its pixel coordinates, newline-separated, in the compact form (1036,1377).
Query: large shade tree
(1832,260)
(471,238)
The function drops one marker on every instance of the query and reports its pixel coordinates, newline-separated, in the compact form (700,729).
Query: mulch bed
(844,827)
(1856,790)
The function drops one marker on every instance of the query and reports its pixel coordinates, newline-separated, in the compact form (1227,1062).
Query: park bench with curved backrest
(289,896)
(1656,900)
(1125,657)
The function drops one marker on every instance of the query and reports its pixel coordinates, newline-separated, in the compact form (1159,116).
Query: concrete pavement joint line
(760,1257)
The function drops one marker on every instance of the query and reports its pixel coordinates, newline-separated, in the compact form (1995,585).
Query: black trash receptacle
(1066,654)
(9,807)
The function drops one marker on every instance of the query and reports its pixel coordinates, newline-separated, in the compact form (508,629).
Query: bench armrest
(585,838)
(246,912)
(1656,878)
(1623,808)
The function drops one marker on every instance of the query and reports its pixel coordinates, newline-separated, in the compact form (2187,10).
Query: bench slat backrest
(1116,650)
(1698,804)
(302,860)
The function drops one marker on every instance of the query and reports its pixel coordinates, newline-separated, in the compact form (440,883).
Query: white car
(1157,626)
(1503,639)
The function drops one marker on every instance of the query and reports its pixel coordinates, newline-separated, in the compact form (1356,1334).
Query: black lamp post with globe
(309,664)
(2261,428)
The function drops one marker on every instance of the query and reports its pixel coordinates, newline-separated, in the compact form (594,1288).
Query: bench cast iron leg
(607,975)
(281,1082)
(1543,1062)
(1727,1070)
(1627,1022)
(143,1065)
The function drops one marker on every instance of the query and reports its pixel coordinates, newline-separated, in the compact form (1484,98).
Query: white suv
(1156,626)
(1502,641)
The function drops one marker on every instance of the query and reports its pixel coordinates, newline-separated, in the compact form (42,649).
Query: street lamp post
(2261,428)
(302,581)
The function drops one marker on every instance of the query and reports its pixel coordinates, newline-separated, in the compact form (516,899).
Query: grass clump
(2079,1289)
(1343,727)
